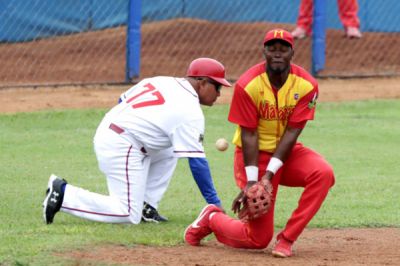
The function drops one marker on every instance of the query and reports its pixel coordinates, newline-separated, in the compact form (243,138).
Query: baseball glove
(258,200)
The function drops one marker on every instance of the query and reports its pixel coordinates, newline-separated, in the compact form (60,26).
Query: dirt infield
(44,98)
(315,247)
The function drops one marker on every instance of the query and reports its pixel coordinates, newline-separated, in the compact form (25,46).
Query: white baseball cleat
(353,32)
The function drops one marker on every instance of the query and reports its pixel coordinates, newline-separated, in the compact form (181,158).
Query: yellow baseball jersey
(257,105)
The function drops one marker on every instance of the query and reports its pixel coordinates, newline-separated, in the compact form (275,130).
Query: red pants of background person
(347,12)
(304,168)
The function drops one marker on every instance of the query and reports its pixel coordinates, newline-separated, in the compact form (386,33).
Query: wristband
(274,165)
(251,173)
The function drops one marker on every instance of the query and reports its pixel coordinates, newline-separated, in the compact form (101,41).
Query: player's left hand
(258,200)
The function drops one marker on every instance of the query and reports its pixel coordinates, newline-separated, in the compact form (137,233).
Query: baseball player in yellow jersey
(271,105)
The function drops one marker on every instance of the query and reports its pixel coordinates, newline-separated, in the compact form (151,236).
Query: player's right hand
(241,197)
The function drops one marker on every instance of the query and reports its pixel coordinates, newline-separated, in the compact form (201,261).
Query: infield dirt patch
(315,247)
(103,96)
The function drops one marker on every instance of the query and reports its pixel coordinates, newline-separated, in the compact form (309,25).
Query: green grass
(360,140)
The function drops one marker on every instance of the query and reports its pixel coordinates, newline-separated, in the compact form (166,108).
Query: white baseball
(221,144)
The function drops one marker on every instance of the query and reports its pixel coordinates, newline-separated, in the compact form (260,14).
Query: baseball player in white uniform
(138,143)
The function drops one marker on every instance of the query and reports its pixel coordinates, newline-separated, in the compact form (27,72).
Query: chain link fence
(75,42)
(62,42)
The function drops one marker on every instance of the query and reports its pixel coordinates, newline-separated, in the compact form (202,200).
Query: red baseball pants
(304,168)
(347,12)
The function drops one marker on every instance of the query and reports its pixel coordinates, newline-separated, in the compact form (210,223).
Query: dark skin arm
(285,146)
(250,155)
(250,146)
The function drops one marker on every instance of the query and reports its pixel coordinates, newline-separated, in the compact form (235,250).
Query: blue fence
(50,17)
(376,16)
(34,19)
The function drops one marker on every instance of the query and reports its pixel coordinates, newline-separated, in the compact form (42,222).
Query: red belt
(116,128)
(119,130)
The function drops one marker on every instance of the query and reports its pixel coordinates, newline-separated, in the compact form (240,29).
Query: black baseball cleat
(150,214)
(54,198)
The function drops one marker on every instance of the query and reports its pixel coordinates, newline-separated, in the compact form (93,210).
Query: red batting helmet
(207,67)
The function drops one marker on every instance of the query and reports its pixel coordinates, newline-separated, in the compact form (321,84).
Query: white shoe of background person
(353,32)
(299,33)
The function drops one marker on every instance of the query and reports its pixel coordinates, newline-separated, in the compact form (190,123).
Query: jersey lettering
(269,111)
(158,98)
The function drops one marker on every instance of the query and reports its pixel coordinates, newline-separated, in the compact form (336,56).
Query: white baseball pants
(133,176)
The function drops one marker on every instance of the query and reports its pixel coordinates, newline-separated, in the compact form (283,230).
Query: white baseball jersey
(137,145)
(162,112)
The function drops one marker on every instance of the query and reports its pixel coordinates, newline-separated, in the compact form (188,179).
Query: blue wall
(23,20)
(375,15)
(221,10)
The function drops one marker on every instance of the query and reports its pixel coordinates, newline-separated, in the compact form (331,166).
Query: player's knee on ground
(260,241)
(135,217)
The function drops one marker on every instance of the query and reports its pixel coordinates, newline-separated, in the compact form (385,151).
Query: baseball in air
(221,144)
